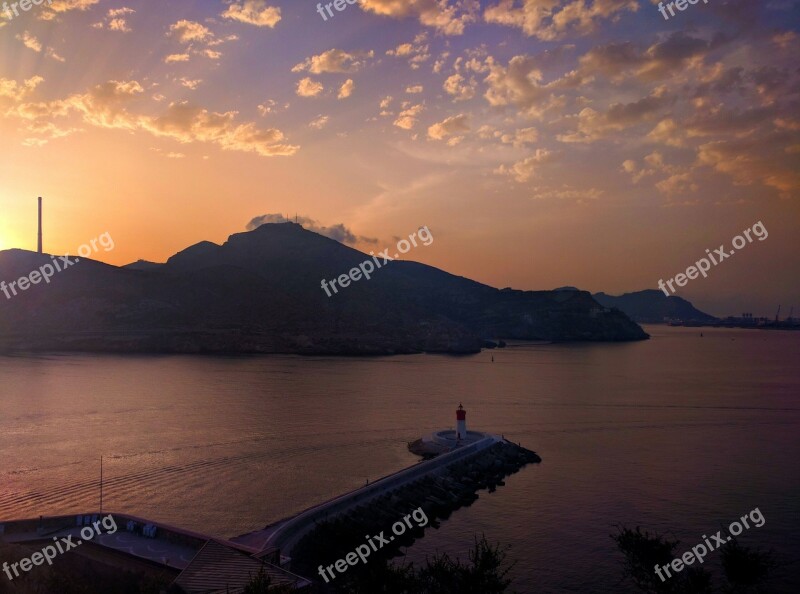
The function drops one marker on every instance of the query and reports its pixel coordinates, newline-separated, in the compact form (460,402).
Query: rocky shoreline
(438,496)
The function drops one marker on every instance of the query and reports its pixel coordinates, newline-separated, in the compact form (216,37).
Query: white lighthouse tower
(461,422)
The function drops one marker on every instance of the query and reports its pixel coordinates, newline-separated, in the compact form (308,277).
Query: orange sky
(544,142)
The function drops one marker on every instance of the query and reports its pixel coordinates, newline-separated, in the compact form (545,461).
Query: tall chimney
(40,224)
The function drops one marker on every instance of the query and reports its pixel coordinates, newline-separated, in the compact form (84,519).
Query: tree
(746,569)
(643,552)
(486,572)
(261,583)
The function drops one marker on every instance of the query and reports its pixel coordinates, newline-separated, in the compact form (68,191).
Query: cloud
(412,90)
(449,127)
(108,106)
(176,58)
(45,132)
(526,169)
(51,11)
(404,49)
(446,16)
(549,20)
(319,122)
(193,34)
(14,91)
(30,41)
(408,117)
(309,88)
(189,31)
(338,232)
(520,83)
(334,60)
(116,20)
(253,12)
(191,84)
(660,60)
(346,89)
(668,132)
(51,53)
(188,123)
(455,86)
(417,51)
(594,125)
(521,137)
(655,164)
(766,159)
(785,39)
(267,107)
(566,192)
(678,184)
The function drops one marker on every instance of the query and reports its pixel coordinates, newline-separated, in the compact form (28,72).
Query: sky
(544,143)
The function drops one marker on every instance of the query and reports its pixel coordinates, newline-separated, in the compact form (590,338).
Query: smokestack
(40,224)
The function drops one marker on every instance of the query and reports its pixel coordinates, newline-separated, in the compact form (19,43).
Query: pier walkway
(285,534)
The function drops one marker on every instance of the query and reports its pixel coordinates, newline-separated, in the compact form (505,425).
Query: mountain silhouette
(260,292)
(653,307)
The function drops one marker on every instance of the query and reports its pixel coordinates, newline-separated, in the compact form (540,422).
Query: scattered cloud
(51,11)
(417,52)
(593,125)
(334,60)
(521,137)
(189,31)
(51,53)
(309,88)
(549,20)
(526,169)
(176,58)
(319,122)
(191,84)
(109,105)
(116,19)
(347,88)
(452,126)
(253,12)
(29,41)
(408,117)
(446,16)
(456,86)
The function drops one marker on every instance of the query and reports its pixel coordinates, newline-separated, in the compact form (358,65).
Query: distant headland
(259,293)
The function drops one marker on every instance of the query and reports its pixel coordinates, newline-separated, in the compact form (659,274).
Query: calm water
(680,434)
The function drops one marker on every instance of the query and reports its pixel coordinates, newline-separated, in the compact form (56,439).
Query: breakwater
(439,487)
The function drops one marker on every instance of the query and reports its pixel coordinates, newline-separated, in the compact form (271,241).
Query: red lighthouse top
(461,414)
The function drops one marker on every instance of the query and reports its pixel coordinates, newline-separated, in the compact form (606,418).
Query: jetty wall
(288,533)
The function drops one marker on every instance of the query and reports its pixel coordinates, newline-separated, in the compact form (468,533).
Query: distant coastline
(259,292)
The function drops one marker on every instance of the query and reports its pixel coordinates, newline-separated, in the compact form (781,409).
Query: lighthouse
(461,422)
